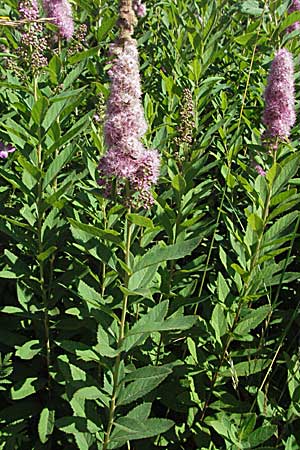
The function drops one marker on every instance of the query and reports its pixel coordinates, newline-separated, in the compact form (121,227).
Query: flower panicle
(127,160)
(279,114)
(61,12)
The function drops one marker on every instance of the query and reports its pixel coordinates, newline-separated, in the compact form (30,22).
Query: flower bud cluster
(187,123)
(78,40)
(33,43)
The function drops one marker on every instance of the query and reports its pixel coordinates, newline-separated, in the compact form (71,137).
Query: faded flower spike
(279,114)
(295,6)
(127,160)
(61,12)
(5,150)
(33,44)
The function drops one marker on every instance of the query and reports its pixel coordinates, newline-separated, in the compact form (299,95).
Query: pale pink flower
(127,158)
(61,12)
(279,113)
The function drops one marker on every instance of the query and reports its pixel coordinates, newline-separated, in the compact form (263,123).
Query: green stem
(112,408)
(40,218)
(229,165)
(245,292)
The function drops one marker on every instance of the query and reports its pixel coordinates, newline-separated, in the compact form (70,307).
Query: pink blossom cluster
(61,12)
(295,6)
(279,114)
(5,150)
(139,8)
(127,158)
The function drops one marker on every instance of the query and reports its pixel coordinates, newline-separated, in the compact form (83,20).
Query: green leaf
(105,27)
(91,296)
(289,20)
(45,255)
(109,235)
(127,428)
(245,38)
(255,222)
(246,368)
(178,323)
(251,7)
(71,77)
(39,110)
(218,322)
(279,228)
(252,320)
(142,221)
(260,435)
(159,254)
(82,351)
(223,288)
(76,129)
(288,170)
(103,347)
(46,424)
(143,278)
(178,183)
(30,168)
(29,349)
(53,112)
(27,387)
(58,163)
(140,412)
(54,67)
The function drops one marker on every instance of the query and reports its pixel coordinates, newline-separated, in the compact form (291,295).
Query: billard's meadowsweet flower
(279,113)
(295,6)
(5,150)
(61,12)
(126,158)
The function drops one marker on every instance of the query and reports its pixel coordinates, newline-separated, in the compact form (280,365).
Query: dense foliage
(174,327)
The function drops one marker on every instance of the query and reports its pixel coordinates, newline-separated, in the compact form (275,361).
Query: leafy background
(210,356)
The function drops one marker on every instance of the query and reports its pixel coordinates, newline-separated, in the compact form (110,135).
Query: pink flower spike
(127,160)
(61,12)
(279,115)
